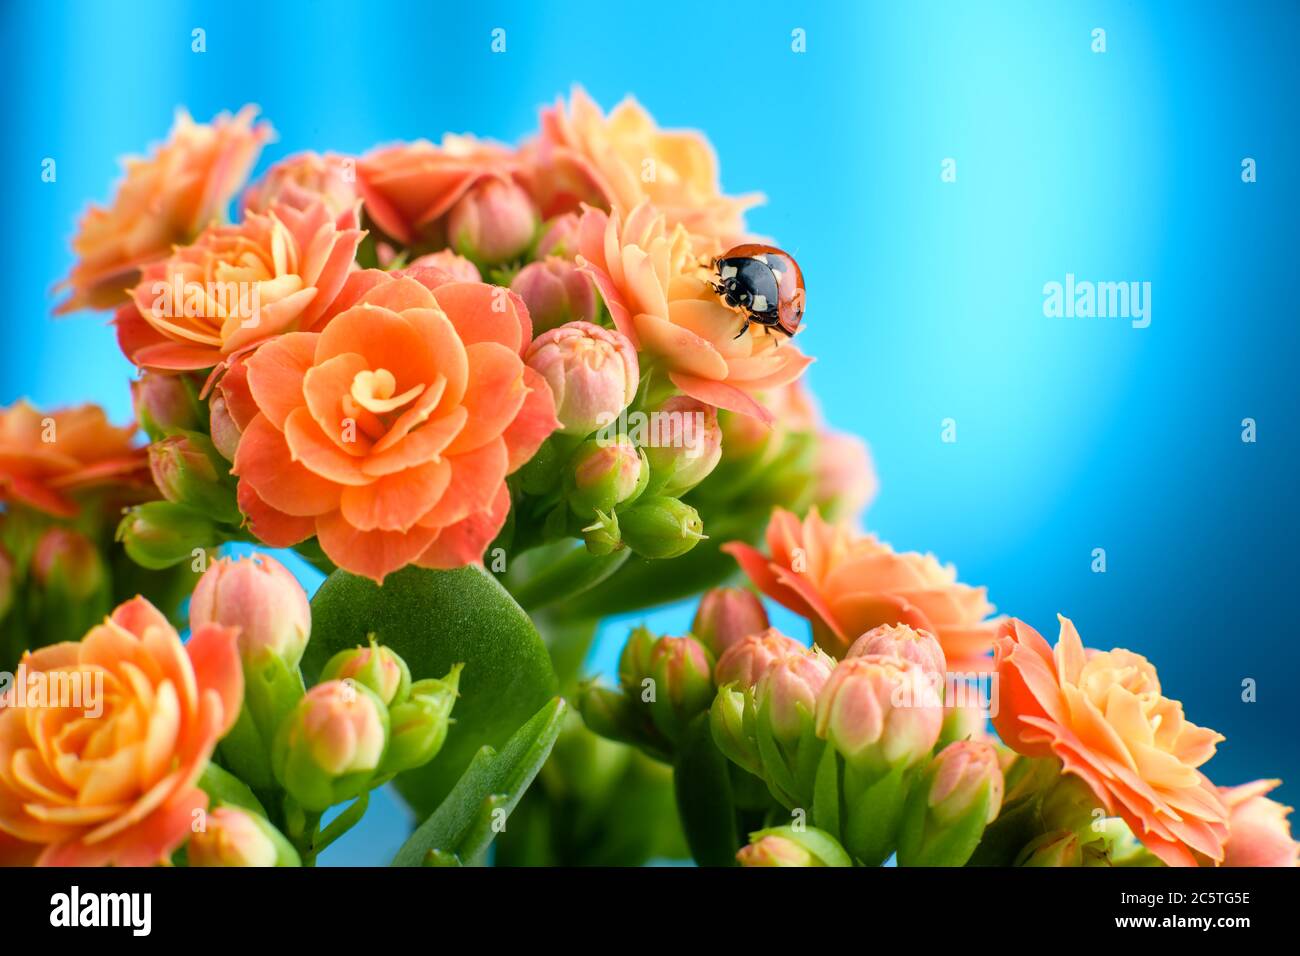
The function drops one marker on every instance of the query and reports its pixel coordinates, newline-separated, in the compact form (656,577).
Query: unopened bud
(164,403)
(556,291)
(959,795)
(732,722)
(378,667)
(493,223)
(418,724)
(686,446)
(744,662)
(902,641)
(159,534)
(726,615)
(261,597)
(682,670)
(559,237)
(604,475)
(188,470)
(790,846)
(661,527)
(329,748)
(231,836)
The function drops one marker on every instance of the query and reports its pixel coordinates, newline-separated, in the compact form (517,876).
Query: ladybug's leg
(743,328)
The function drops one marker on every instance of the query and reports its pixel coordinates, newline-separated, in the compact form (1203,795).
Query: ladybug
(764,284)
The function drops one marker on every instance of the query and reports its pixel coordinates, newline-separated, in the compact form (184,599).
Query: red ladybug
(764,284)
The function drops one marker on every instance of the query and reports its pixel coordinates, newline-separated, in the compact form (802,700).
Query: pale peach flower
(655,287)
(120,786)
(1102,713)
(238,286)
(620,160)
(166,199)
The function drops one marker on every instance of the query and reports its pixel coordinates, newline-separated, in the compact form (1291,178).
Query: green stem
(340,825)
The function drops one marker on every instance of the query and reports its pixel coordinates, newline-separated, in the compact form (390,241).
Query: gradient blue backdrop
(925,297)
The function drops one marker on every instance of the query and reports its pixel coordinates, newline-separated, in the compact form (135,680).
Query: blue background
(925,296)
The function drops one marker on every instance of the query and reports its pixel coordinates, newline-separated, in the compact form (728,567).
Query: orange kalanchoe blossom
(846,583)
(407,188)
(1103,715)
(655,288)
(112,777)
(618,161)
(238,286)
(390,433)
(47,459)
(167,198)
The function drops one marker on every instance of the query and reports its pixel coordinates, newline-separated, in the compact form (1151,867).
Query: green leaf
(434,620)
(642,583)
(702,779)
(460,831)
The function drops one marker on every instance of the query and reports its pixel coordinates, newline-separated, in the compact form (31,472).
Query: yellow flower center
(373,391)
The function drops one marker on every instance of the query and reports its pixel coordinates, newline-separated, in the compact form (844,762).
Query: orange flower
(1103,715)
(618,161)
(238,286)
(165,199)
(389,434)
(105,771)
(847,583)
(409,187)
(1258,831)
(652,281)
(47,460)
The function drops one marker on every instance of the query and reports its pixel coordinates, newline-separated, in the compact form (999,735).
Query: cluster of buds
(665,684)
(618,466)
(190,468)
(852,745)
(364,722)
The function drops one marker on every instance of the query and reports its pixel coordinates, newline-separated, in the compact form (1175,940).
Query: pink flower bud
(634,661)
(262,598)
(458,267)
(1258,831)
(908,643)
(379,668)
(329,747)
(789,683)
(775,851)
(493,223)
(67,560)
(683,444)
(605,474)
(234,837)
(684,688)
(880,713)
(965,774)
(743,662)
(164,402)
(593,373)
(559,237)
(556,291)
(726,615)
(225,433)
(184,467)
